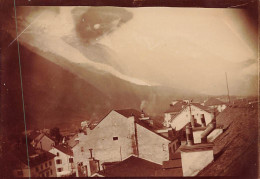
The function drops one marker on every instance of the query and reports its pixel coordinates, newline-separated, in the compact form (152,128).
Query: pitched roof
(171,168)
(145,125)
(39,138)
(137,114)
(72,142)
(204,108)
(36,157)
(132,167)
(177,107)
(32,135)
(213,102)
(65,149)
(173,172)
(129,112)
(238,144)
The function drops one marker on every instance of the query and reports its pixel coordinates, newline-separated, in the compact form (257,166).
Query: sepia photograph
(140,89)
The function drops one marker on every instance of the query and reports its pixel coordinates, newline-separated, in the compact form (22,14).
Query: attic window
(58,154)
(115,138)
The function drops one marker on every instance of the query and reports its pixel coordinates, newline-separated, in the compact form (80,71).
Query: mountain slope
(60,93)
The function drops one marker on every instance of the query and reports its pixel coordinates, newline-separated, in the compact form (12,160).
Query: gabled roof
(72,142)
(129,112)
(177,107)
(64,149)
(213,102)
(132,167)
(145,125)
(137,114)
(32,135)
(204,108)
(36,157)
(42,135)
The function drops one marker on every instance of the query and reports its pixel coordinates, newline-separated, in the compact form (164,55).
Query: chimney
(90,150)
(208,130)
(189,135)
(202,118)
(195,157)
(93,165)
(142,114)
(192,121)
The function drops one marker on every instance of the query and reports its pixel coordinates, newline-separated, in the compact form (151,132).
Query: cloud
(96,22)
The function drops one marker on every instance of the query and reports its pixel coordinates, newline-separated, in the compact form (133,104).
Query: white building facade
(117,137)
(177,120)
(64,162)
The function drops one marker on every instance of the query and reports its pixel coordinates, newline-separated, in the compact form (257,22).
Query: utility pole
(227,88)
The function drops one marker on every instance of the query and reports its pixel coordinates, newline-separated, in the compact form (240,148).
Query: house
(191,157)
(41,163)
(63,160)
(130,167)
(214,103)
(120,134)
(180,112)
(43,141)
(73,141)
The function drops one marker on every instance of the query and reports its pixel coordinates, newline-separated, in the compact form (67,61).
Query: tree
(55,133)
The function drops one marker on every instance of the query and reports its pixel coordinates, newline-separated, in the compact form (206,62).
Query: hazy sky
(188,48)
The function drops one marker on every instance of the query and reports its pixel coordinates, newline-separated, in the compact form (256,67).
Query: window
(70,160)
(46,164)
(164,147)
(37,169)
(58,154)
(82,149)
(59,169)
(50,163)
(51,172)
(115,138)
(20,173)
(58,161)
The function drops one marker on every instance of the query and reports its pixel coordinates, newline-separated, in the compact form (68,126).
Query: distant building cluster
(125,143)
